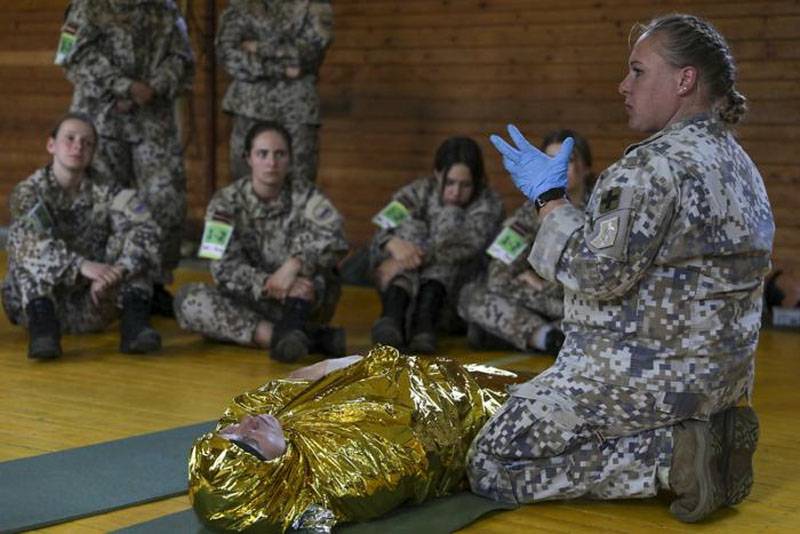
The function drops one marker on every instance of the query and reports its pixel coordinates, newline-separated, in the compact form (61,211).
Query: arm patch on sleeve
(609,234)
(320,211)
(128,202)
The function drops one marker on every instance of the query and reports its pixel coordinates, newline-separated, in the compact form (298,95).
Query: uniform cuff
(551,239)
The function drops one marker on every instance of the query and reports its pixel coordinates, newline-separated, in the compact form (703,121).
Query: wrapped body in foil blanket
(385,430)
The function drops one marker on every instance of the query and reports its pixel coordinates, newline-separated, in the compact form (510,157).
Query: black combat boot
(328,340)
(553,341)
(136,336)
(161,302)
(480,339)
(426,316)
(44,330)
(289,341)
(388,329)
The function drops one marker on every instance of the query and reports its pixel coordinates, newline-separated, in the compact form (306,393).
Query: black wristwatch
(547,196)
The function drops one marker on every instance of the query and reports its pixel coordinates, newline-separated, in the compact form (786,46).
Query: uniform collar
(259,208)
(704,117)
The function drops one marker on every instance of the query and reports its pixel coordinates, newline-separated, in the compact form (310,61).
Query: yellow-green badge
(391,216)
(507,246)
(65,44)
(216,236)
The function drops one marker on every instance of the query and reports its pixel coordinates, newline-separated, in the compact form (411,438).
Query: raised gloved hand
(533,171)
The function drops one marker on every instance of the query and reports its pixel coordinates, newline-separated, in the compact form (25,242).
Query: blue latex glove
(533,171)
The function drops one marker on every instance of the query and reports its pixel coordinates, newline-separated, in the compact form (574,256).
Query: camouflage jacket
(118,42)
(53,233)
(663,273)
(447,234)
(288,33)
(301,223)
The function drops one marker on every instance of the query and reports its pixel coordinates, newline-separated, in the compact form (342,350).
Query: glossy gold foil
(388,430)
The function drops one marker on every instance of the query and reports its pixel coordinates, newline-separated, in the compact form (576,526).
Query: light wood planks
(403,75)
(94,394)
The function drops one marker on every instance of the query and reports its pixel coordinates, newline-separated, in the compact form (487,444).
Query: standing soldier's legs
(240,125)
(161,180)
(113,161)
(305,149)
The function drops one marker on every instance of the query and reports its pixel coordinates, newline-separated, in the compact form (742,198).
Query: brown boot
(712,463)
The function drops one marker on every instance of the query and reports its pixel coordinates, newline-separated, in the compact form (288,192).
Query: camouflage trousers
(75,310)
(205,309)
(513,314)
(305,147)
(154,167)
(562,436)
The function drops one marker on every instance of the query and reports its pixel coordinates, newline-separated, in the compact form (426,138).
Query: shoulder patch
(606,234)
(611,221)
(320,210)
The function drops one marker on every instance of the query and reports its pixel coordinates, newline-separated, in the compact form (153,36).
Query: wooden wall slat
(402,76)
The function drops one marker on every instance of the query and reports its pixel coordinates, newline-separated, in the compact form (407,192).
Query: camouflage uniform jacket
(52,233)
(446,234)
(663,273)
(118,42)
(301,223)
(289,33)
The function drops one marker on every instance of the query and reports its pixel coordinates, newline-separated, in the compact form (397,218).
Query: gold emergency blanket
(388,430)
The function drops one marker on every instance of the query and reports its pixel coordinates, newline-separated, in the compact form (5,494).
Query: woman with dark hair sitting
(432,236)
(514,308)
(274,242)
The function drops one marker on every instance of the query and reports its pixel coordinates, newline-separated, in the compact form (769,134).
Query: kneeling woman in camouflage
(79,251)
(274,241)
(431,242)
(343,440)
(663,275)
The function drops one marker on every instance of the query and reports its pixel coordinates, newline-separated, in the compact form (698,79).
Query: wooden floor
(95,394)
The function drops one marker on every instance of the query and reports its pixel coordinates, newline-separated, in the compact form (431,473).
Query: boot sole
(145,342)
(741,432)
(338,346)
(290,349)
(386,332)
(423,344)
(709,482)
(48,352)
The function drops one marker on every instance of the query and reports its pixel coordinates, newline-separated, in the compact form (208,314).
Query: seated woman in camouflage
(78,251)
(302,454)
(513,307)
(431,242)
(275,242)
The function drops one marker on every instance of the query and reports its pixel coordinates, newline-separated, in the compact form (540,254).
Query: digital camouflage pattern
(289,33)
(51,234)
(452,238)
(663,280)
(300,223)
(504,305)
(117,43)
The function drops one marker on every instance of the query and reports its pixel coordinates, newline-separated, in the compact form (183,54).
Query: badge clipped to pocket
(507,246)
(391,216)
(216,236)
(65,44)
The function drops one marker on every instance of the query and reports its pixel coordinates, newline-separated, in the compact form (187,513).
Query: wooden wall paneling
(402,76)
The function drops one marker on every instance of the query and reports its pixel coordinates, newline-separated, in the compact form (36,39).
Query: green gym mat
(438,516)
(62,486)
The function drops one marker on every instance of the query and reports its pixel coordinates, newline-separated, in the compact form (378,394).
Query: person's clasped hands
(533,171)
